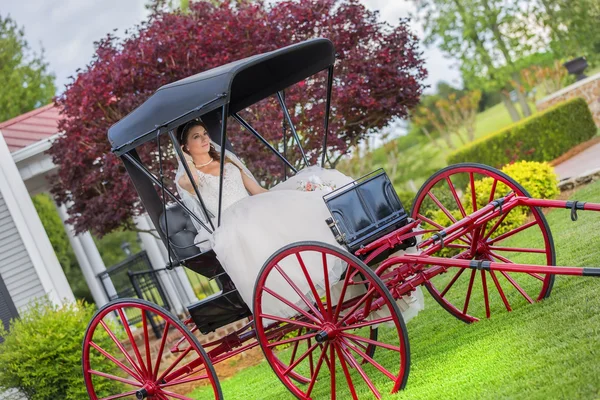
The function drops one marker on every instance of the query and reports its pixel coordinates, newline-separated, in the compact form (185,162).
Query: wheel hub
(328,333)
(149,389)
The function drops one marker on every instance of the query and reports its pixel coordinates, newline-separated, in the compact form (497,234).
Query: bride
(256,222)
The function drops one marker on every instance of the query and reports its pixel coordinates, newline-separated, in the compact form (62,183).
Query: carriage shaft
(494,210)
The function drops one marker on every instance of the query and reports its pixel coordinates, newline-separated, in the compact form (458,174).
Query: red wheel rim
(470,295)
(126,360)
(332,342)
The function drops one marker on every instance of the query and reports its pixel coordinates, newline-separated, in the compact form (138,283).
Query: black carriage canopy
(240,83)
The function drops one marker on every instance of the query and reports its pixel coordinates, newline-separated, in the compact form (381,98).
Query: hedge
(541,137)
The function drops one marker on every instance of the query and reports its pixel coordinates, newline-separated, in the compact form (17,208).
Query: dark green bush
(41,354)
(541,137)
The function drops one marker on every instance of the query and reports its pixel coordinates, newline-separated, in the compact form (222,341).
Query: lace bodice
(233,188)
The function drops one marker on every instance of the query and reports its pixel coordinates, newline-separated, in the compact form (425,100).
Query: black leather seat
(220,308)
(182,234)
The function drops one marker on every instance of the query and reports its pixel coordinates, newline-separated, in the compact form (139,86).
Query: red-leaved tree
(378,76)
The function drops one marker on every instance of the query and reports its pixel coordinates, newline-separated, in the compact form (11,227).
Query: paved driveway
(578,165)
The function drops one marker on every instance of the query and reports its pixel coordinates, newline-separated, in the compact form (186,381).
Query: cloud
(67,30)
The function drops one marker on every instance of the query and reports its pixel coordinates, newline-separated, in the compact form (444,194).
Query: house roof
(31,127)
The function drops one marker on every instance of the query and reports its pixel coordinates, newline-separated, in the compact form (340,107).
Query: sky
(67,30)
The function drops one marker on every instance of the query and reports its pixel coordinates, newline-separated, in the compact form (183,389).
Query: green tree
(62,247)
(573,26)
(26,82)
(487,36)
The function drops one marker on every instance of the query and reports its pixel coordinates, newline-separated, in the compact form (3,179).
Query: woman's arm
(251,186)
(185,182)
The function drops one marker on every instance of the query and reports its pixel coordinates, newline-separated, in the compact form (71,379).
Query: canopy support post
(327,109)
(293,129)
(225,112)
(249,128)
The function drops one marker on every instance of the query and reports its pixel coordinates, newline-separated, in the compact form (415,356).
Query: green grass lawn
(545,350)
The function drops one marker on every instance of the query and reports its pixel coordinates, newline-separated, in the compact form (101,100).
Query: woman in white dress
(256,222)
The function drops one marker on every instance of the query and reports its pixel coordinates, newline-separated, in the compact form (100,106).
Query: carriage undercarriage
(336,332)
(332,340)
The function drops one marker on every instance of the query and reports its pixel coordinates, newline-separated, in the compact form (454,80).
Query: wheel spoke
(355,307)
(455,195)
(441,206)
(313,378)
(176,395)
(311,284)
(495,226)
(147,341)
(291,340)
(473,195)
(468,298)
(132,342)
(116,362)
(346,372)
(506,260)
(302,357)
(289,321)
(370,341)
(485,294)
(161,349)
(332,369)
(182,381)
(518,249)
(440,227)
(370,360)
(451,283)
(361,372)
(516,285)
(115,378)
(327,289)
(298,291)
(120,346)
(500,291)
(120,395)
(174,364)
(310,357)
(338,306)
(292,305)
(367,323)
(512,232)
(295,346)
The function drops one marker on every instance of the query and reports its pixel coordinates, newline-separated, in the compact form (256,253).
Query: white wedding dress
(253,228)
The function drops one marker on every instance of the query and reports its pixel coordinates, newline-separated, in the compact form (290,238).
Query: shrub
(541,137)
(539,179)
(41,354)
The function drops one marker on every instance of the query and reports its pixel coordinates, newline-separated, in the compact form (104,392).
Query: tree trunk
(431,139)
(523,103)
(522,99)
(514,114)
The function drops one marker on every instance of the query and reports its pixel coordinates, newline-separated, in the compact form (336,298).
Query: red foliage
(379,76)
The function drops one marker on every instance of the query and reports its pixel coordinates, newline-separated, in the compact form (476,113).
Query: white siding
(16,268)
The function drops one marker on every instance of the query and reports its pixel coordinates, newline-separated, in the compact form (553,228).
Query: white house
(29,268)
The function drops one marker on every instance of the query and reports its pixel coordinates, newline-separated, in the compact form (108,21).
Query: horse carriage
(346,339)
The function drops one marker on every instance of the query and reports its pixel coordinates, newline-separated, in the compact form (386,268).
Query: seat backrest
(181,232)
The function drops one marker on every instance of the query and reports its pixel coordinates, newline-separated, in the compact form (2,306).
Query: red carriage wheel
(330,325)
(134,349)
(519,235)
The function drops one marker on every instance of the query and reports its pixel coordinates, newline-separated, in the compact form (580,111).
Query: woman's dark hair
(183,133)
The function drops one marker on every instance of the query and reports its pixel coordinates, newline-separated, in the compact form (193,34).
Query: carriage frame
(380,275)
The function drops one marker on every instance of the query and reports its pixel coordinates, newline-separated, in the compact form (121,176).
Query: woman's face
(198,141)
